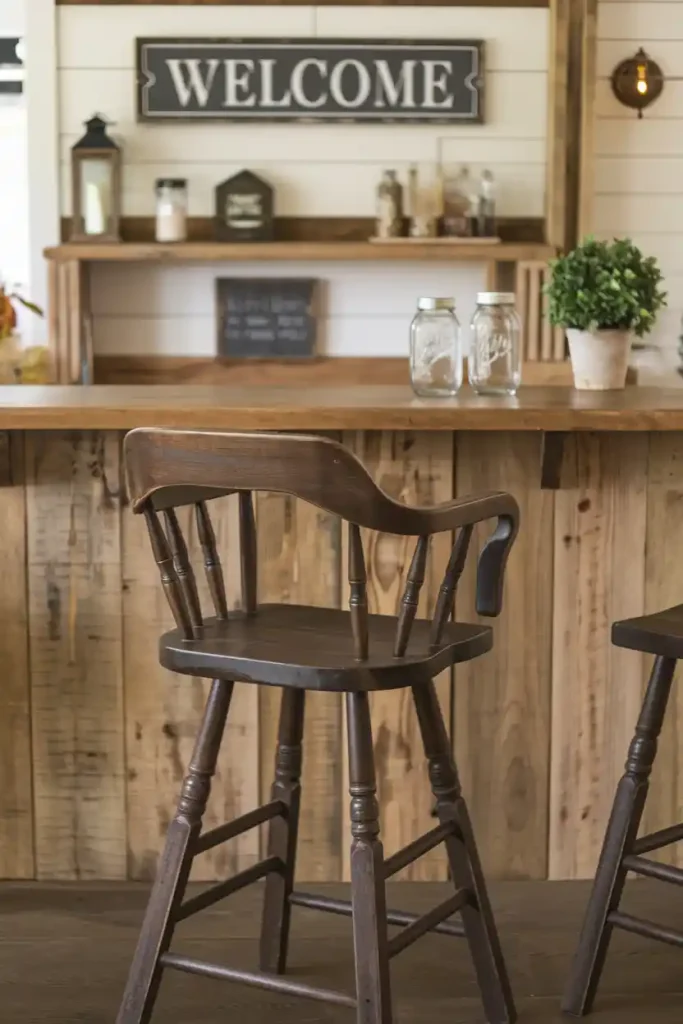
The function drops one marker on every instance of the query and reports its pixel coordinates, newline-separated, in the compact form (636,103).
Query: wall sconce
(638,81)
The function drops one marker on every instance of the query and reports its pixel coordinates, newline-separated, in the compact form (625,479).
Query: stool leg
(620,836)
(463,859)
(368,898)
(282,833)
(176,860)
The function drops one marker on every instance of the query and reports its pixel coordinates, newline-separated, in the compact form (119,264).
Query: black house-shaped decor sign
(244,209)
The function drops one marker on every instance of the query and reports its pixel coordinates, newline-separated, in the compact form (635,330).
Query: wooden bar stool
(660,634)
(300,649)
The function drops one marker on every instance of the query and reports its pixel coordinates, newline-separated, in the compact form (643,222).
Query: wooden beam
(294,3)
(556,172)
(587,127)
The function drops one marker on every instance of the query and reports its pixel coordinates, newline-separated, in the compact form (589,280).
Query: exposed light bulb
(641,86)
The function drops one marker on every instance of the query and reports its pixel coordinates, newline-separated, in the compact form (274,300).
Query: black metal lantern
(638,81)
(95,185)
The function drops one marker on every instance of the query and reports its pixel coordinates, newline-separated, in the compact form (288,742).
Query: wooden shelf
(192,252)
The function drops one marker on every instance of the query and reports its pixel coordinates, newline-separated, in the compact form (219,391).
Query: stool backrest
(167,469)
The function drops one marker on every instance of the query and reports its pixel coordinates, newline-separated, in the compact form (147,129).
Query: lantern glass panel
(96,194)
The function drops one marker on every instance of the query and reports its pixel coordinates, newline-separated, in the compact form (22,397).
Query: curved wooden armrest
(466,512)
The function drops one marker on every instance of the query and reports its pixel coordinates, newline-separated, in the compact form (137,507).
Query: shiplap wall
(317,170)
(639,165)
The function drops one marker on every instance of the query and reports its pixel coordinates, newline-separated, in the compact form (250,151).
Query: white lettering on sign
(387,88)
(187,78)
(298,82)
(363,83)
(237,74)
(432,83)
(267,98)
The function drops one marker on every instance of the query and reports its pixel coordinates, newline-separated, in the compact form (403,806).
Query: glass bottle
(486,206)
(435,349)
(495,359)
(389,207)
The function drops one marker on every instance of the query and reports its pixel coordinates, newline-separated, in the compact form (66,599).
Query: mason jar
(171,209)
(495,358)
(435,349)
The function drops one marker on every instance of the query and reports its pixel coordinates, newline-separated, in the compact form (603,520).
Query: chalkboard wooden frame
(470,85)
(304,290)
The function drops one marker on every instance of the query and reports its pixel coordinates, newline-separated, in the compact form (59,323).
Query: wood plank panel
(16,769)
(163,710)
(600,528)
(415,469)
(662,590)
(74,584)
(502,701)
(299,553)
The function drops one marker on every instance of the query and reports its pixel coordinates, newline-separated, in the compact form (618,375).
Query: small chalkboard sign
(266,318)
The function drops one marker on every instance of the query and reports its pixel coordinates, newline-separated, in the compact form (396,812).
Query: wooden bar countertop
(121,407)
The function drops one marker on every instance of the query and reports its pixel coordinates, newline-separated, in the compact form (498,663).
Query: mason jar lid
(171,183)
(495,298)
(440,303)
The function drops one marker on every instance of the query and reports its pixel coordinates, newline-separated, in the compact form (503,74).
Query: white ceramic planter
(599,358)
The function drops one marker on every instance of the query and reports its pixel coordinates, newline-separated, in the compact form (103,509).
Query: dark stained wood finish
(110,407)
(308,648)
(603,913)
(315,229)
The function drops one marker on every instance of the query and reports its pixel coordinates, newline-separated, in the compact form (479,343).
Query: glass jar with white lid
(495,358)
(435,349)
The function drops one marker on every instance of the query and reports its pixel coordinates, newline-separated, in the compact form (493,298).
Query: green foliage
(605,286)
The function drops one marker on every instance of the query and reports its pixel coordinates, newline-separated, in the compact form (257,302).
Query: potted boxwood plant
(603,294)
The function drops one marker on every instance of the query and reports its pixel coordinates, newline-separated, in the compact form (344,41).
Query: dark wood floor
(64,952)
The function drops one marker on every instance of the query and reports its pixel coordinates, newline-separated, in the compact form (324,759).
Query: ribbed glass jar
(435,349)
(495,359)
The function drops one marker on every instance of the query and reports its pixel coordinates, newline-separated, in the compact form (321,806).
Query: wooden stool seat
(297,645)
(660,634)
(300,649)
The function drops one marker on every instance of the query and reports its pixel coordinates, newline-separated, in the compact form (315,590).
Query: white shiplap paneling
(639,166)
(317,170)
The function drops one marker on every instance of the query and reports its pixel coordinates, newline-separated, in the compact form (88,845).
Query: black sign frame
(257,330)
(473,82)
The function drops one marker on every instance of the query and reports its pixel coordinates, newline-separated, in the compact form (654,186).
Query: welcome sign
(310,80)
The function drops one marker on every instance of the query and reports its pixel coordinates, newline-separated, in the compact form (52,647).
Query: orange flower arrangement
(8,310)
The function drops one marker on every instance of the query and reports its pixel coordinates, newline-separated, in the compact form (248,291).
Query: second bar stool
(661,635)
(300,649)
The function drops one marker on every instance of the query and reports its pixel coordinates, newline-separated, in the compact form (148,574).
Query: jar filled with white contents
(171,209)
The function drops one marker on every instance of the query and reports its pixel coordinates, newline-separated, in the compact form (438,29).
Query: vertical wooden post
(61,352)
(587,128)
(556,173)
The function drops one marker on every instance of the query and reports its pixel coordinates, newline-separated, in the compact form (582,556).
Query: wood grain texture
(310,229)
(558,134)
(320,3)
(16,768)
(416,470)
(502,701)
(109,407)
(74,585)
(600,532)
(589,78)
(342,371)
(190,252)
(163,710)
(299,563)
(664,805)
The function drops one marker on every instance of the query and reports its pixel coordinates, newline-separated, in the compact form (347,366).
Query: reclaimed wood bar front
(93,733)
